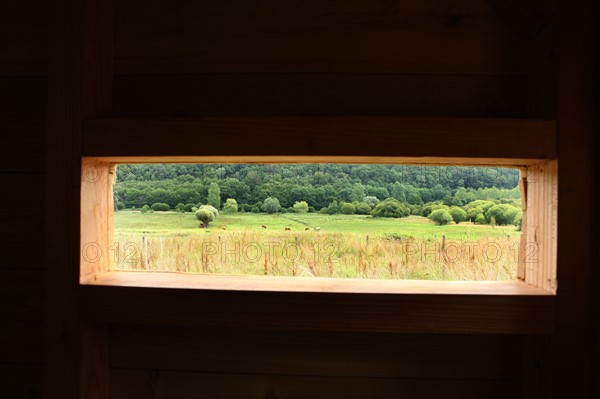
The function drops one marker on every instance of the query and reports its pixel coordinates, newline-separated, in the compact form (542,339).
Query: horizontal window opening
(340,221)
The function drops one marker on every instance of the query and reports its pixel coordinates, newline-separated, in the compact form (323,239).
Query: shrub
(458,214)
(211,209)
(271,205)
(371,200)
(474,212)
(194,209)
(119,206)
(503,213)
(432,206)
(480,219)
(180,208)
(189,208)
(230,206)
(347,209)
(300,207)
(160,207)
(362,208)
(245,207)
(255,209)
(205,216)
(519,221)
(286,210)
(333,208)
(390,208)
(440,217)
(145,209)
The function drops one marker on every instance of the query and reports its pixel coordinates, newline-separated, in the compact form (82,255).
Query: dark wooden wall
(464,58)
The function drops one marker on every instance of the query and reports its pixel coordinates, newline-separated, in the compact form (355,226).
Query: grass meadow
(352,246)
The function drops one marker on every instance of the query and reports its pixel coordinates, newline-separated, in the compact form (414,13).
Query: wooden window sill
(318,303)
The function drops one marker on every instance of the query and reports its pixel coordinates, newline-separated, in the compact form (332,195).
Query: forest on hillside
(325,188)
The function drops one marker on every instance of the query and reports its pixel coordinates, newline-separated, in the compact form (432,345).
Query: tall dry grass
(320,254)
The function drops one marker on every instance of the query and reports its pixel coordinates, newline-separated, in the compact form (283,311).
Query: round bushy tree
(120,206)
(347,209)
(458,214)
(300,207)
(211,209)
(160,207)
(230,206)
(441,217)
(362,208)
(390,208)
(188,207)
(271,205)
(503,213)
(205,216)
(145,209)
(371,200)
(180,208)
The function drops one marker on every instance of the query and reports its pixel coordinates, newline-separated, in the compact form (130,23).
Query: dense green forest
(326,188)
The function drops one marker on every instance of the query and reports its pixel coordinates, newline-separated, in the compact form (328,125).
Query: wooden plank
(312,284)
(327,354)
(21,380)
(23,121)
(418,94)
(358,36)
(80,84)
(512,314)
(130,384)
(22,222)
(24,27)
(322,136)
(21,300)
(577,178)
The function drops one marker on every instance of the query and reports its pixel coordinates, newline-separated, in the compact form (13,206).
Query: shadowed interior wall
(463,58)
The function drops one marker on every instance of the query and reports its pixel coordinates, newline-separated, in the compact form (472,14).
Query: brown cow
(264,227)
(288,228)
(307,228)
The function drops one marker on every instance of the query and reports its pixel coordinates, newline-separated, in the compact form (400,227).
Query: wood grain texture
(577,176)
(134,384)
(23,122)
(320,311)
(313,284)
(322,136)
(218,94)
(23,222)
(464,37)
(326,354)
(80,83)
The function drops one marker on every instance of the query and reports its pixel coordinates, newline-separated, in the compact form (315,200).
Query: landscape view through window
(319,220)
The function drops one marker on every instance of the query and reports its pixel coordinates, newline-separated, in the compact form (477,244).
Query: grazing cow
(317,229)
(288,228)
(307,228)
(202,225)
(264,227)
(223,228)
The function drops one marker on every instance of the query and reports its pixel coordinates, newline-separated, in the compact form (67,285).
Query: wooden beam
(322,136)
(518,313)
(80,83)
(577,176)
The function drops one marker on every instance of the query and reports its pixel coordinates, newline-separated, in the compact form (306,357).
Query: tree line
(379,190)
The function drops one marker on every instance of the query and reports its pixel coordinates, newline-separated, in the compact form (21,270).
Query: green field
(344,246)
